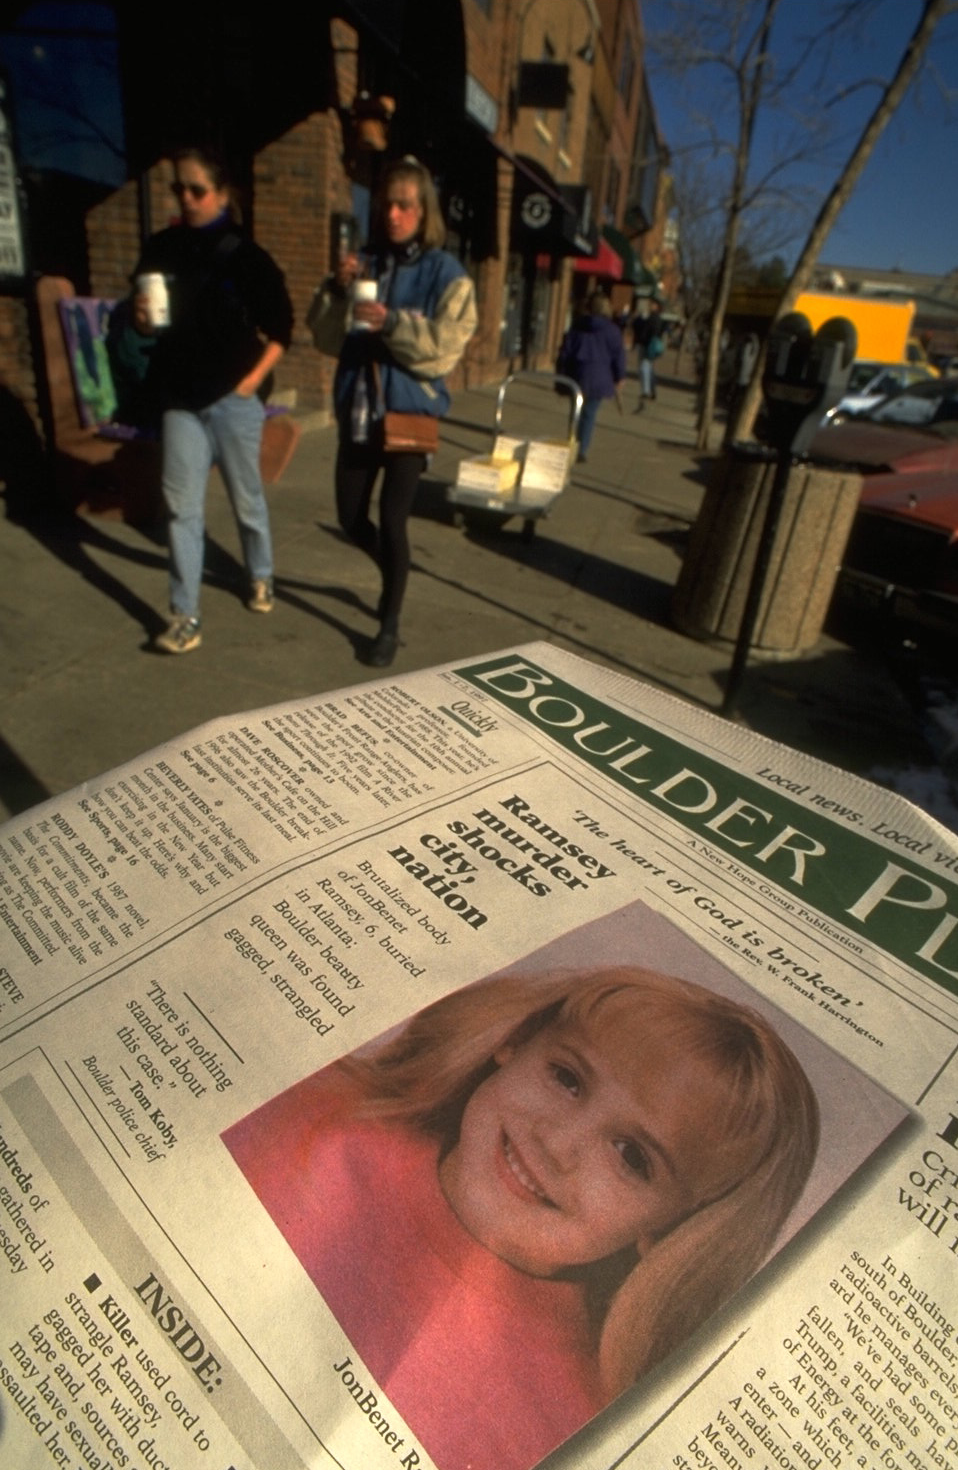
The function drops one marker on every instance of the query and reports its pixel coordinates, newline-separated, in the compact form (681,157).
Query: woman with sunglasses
(394,352)
(230,323)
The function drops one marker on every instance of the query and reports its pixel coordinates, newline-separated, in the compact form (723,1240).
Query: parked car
(913,430)
(902,555)
(870,382)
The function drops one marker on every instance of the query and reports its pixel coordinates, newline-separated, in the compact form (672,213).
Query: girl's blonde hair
(432,230)
(643,1307)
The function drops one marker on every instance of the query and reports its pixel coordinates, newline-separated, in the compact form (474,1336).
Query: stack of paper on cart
(487,475)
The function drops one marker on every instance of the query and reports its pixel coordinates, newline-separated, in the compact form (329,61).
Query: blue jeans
(587,418)
(227,433)
(647,377)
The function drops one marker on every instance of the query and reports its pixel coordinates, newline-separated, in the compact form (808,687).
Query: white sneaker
(181,635)
(260,597)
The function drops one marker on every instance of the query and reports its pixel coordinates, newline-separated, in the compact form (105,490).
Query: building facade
(533,116)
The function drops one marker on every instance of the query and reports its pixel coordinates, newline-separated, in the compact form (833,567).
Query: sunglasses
(195,191)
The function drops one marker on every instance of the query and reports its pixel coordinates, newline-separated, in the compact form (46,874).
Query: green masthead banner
(829,868)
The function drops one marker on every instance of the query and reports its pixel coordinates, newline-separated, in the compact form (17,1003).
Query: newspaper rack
(520,477)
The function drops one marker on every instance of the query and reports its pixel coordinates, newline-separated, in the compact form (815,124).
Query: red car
(902,555)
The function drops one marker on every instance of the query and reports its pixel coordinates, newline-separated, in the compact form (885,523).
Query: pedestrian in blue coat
(593,355)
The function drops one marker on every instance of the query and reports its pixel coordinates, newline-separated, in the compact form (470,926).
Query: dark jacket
(647,328)
(593,355)
(226,297)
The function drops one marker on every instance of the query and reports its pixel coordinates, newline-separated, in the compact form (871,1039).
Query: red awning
(605,262)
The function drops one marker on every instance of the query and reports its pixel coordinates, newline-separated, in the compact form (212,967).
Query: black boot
(382,649)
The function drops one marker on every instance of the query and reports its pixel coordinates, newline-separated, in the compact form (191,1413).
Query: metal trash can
(813,530)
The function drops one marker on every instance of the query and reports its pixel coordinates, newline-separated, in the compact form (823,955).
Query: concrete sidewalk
(81,691)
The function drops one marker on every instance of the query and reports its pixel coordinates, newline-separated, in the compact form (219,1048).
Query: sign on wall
(12,254)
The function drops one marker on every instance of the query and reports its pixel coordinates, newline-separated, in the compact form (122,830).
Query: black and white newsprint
(498,1064)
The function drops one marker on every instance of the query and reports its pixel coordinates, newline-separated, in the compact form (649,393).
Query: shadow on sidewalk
(72,539)
(621,586)
(570,632)
(841,705)
(19,787)
(642,506)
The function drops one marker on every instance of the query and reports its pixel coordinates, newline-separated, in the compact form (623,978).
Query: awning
(548,218)
(646,282)
(631,265)
(535,176)
(605,262)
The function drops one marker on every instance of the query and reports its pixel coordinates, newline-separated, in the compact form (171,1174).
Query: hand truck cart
(521,476)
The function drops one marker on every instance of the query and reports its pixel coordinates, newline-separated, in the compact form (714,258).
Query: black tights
(357,466)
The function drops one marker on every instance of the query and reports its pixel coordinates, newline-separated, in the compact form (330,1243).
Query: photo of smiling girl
(525,1197)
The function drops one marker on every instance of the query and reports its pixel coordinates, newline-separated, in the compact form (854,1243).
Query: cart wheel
(528,529)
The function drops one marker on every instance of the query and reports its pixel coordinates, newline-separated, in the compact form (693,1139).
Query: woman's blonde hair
(432,230)
(643,1307)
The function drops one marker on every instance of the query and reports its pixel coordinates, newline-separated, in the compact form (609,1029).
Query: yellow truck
(884,327)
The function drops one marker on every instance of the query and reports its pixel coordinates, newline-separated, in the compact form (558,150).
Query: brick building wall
(299,179)
(299,184)
(113,241)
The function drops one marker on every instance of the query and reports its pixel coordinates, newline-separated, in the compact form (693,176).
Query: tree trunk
(751,77)
(933,12)
(723,288)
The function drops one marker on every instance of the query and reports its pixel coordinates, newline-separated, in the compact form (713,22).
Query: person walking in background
(593,355)
(394,351)
(230,322)
(648,333)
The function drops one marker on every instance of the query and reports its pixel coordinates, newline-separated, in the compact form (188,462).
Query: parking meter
(804,376)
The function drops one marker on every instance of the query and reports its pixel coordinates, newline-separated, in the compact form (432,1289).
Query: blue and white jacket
(432,315)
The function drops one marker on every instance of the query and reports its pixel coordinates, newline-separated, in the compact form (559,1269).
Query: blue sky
(904,211)
(65,90)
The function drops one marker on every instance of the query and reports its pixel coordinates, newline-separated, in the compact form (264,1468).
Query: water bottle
(359,414)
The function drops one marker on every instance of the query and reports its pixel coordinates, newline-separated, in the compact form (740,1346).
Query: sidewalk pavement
(82,691)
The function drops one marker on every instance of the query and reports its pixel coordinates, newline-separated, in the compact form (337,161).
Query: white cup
(153,287)
(363,291)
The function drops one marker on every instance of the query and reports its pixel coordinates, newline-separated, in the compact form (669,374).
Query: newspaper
(271,1196)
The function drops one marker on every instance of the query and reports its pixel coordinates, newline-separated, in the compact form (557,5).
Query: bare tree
(732,40)
(932,13)
(700,214)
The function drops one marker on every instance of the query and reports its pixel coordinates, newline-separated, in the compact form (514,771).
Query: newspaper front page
(499,1063)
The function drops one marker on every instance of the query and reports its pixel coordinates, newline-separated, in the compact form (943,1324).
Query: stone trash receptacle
(817,512)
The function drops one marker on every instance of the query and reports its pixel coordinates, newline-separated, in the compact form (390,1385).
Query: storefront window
(539,322)
(510,341)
